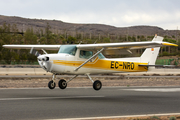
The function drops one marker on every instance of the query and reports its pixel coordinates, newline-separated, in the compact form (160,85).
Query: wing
(37,47)
(128,45)
(156,42)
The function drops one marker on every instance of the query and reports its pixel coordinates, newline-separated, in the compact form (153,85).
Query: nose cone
(44,62)
(43,58)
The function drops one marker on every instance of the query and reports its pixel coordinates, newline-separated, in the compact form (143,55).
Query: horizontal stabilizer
(158,65)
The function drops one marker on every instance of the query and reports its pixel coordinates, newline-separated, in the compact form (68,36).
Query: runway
(42,103)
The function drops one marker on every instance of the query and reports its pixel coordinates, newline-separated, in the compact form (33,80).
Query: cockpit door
(70,63)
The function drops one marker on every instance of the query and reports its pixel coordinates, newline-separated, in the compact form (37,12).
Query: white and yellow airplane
(86,59)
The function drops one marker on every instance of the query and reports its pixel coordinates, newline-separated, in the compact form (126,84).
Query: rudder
(150,54)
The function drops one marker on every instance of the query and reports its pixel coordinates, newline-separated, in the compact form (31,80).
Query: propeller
(42,59)
(44,62)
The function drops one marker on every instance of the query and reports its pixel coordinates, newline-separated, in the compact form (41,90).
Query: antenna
(80,42)
(95,41)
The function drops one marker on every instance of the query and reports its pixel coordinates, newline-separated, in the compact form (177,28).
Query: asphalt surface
(42,103)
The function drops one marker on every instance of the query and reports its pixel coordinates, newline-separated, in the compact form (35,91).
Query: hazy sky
(119,13)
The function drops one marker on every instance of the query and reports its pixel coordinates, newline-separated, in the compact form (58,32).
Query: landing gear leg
(63,84)
(96,84)
(51,83)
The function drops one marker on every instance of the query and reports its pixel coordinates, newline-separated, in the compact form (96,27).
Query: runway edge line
(108,117)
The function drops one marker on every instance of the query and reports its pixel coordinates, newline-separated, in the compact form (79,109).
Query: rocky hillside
(60,27)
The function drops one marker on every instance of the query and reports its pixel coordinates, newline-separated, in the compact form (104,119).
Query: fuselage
(67,62)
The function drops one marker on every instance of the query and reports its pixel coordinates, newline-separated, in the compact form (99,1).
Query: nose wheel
(51,84)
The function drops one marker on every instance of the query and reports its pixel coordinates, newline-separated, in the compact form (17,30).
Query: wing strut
(89,59)
(44,51)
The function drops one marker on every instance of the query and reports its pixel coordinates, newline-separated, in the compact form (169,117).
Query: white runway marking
(155,90)
(40,98)
(111,117)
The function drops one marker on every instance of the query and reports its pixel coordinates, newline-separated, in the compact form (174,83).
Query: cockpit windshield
(68,49)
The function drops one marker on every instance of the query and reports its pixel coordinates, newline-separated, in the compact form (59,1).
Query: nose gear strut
(51,83)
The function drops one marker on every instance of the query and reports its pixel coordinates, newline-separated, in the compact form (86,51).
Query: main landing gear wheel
(51,84)
(97,85)
(62,84)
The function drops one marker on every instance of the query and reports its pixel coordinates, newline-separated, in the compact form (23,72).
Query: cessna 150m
(88,59)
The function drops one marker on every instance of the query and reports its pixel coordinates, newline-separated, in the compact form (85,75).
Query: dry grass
(85,82)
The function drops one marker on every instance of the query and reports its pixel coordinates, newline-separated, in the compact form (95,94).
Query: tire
(51,84)
(62,84)
(97,85)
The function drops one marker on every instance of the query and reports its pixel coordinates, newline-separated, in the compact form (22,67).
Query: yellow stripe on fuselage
(106,65)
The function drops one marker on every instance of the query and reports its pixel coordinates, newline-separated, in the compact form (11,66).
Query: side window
(85,54)
(101,56)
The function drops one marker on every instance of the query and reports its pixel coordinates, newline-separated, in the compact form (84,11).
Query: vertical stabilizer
(150,54)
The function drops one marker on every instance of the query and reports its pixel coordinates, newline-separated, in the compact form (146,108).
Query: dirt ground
(85,82)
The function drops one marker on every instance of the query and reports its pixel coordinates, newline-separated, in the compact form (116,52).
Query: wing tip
(169,44)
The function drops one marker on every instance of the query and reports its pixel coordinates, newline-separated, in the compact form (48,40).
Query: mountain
(62,27)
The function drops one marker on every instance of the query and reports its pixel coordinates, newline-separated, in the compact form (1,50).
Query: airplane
(87,59)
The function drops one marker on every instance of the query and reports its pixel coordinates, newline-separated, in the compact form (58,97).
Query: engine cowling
(44,62)
(50,62)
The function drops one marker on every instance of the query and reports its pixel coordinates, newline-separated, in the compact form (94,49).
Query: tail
(150,54)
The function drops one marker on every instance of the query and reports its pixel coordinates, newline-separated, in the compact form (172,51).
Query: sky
(118,13)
